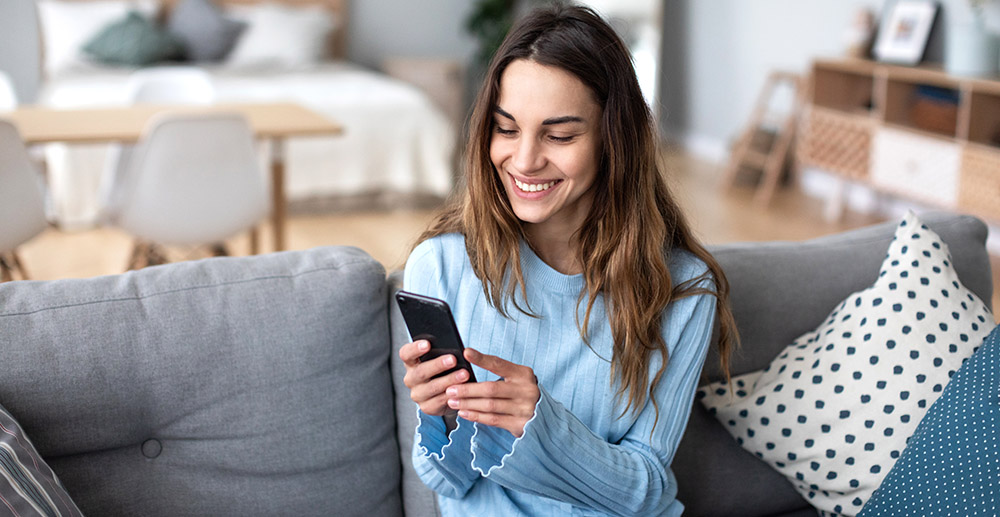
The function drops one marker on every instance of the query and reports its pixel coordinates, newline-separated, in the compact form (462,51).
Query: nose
(528,157)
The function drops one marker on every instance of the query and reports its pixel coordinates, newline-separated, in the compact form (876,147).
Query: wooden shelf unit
(913,132)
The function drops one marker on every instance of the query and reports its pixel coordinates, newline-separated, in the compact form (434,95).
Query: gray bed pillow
(206,33)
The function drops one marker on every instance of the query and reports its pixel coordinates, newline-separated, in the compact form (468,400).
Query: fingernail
(449,360)
(461,375)
(452,392)
(452,403)
(463,413)
(423,346)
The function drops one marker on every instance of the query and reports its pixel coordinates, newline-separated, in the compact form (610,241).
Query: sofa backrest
(418,500)
(780,290)
(231,386)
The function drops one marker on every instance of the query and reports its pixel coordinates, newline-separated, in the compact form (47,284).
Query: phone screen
(430,318)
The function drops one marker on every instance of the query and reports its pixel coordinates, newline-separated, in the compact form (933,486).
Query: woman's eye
(506,132)
(560,139)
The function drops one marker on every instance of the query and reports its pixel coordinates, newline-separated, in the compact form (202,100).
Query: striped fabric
(27,485)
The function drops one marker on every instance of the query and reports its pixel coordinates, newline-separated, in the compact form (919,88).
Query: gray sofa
(268,385)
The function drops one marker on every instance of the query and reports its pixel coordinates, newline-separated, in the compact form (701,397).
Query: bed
(396,143)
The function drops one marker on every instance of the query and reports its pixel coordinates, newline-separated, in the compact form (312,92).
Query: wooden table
(273,122)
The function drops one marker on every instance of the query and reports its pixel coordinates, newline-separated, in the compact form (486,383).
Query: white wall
(19,52)
(390,28)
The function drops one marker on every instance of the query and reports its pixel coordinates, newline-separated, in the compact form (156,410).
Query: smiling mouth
(533,187)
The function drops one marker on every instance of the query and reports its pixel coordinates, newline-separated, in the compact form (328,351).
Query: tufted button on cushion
(151,448)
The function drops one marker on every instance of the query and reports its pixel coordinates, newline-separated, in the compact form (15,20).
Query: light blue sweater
(576,457)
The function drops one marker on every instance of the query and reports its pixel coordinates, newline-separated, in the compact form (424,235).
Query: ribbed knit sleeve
(441,459)
(560,458)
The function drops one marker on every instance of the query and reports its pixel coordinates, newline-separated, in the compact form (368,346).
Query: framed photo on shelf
(902,36)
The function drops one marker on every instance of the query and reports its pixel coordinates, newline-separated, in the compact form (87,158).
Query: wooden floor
(718,216)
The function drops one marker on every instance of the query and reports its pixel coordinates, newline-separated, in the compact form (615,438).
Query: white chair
(167,85)
(22,203)
(193,179)
(8,98)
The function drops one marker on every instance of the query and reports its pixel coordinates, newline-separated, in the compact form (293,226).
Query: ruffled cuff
(443,460)
(493,447)
(435,442)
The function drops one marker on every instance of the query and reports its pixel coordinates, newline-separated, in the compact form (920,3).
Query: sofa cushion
(781,290)
(952,463)
(229,386)
(834,410)
(27,484)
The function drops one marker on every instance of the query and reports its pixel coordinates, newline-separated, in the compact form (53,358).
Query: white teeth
(533,187)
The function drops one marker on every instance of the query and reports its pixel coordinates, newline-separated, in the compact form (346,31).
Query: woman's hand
(429,393)
(508,403)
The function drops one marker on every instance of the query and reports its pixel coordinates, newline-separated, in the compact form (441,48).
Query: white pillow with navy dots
(834,410)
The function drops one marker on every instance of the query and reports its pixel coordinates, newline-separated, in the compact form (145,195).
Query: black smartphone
(430,318)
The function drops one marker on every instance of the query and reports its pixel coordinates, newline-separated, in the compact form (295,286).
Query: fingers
(431,388)
(513,424)
(506,407)
(505,369)
(504,404)
(424,372)
(410,353)
(426,388)
(498,390)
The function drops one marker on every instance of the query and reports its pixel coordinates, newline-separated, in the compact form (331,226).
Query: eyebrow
(547,122)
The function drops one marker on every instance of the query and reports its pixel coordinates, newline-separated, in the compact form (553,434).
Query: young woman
(584,300)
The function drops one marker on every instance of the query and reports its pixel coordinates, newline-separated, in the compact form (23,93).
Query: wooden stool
(763,149)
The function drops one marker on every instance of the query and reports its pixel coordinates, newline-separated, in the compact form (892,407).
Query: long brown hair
(634,223)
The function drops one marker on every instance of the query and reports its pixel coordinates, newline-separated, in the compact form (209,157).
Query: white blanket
(395,139)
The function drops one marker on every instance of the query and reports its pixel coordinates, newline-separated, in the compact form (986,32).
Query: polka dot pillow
(834,410)
(952,463)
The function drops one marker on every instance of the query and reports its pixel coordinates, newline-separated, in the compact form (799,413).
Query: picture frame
(903,33)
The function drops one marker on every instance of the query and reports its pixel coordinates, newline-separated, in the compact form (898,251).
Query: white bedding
(395,139)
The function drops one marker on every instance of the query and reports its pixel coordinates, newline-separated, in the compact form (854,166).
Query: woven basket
(836,142)
(979,182)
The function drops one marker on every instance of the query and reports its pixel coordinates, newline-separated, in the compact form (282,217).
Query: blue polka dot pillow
(952,463)
(834,410)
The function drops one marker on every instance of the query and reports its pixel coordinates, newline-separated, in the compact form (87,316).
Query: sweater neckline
(537,272)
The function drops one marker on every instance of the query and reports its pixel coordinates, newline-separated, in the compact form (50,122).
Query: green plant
(489,22)
(977,7)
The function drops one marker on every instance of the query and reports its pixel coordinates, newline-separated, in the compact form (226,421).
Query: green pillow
(133,41)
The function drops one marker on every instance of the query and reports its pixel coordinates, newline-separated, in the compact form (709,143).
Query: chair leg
(255,240)
(18,266)
(145,254)
(155,255)
(137,259)
(6,270)
(11,267)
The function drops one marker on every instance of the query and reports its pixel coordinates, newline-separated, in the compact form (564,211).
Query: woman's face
(546,146)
